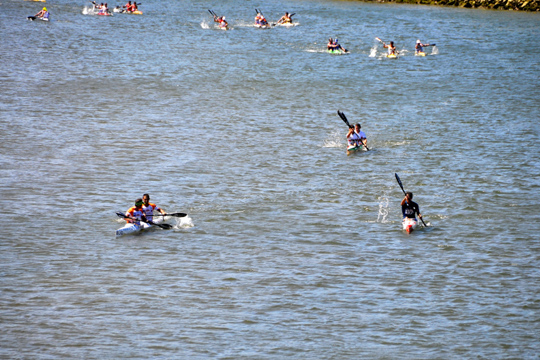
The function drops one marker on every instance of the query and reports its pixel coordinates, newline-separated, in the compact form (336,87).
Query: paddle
(172,214)
(31,18)
(344,118)
(402,189)
(163,226)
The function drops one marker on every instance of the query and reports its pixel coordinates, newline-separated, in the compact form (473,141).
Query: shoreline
(515,5)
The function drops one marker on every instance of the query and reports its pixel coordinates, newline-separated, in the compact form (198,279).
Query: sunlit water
(291,248)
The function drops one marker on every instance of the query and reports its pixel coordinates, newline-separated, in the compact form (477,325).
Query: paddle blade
(177,214)
(379,40)
(163,226)
(399,182)
(121,215)
(344,118)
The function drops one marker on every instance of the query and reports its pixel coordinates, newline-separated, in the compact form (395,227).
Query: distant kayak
(288,24)
(421,53)
(32,18)
(136,12)
(267,26)
(392,56)
(409,224)
(337,52)
(132,228)
(354,149)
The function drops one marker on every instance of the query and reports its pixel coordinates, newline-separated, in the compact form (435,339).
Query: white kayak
(132,228)
(409,224)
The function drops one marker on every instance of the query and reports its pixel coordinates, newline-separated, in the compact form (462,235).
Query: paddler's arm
(351,130)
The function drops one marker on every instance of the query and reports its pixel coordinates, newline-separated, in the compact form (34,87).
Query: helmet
(44,9)
(418,41)
(223,18)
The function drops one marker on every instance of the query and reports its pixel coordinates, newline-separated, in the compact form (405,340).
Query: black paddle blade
(177,214)
(399,182)
(163,226)
(342,116)
(121,215)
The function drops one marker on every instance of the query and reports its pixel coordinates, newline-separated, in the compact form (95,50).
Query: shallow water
(292,248)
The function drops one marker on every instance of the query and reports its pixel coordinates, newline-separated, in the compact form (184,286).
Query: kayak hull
(132,228)
(421,53)
(336,52)
(354,149)
(409,224)
(391,56)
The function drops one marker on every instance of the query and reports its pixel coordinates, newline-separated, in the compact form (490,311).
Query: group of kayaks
(260,20)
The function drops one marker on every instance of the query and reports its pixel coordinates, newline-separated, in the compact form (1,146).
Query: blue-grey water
(292,249)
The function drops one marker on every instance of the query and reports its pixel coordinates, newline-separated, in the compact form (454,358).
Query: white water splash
(204,25)
(435,50)
(373,51)
(184,223)
(383,209)
(334,140)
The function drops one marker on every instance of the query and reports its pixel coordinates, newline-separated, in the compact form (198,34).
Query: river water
(291,249)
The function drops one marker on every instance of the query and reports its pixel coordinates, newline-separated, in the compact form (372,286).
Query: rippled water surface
(291,248)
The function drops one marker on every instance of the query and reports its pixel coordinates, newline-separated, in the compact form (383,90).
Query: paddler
(221,21)
(285,19)
(356,137)
(128,6)
(104,9)
(391,48)
(419,47)
(331,46)
(409,208)
(148,207)
(260,20)
(338,46)
(44,14)
(135,214)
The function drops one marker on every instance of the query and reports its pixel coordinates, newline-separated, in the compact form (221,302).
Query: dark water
(291,248)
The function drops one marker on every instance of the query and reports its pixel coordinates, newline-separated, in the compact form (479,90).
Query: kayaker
(356,136)
(419,47)
(260,20)
(331,46)
(148,207)
(134,7)
(285,19)
(136,213)
(44,14)
(128,6)
(222,22)
(338,46)
(391,48)
(409,208)
(104,9)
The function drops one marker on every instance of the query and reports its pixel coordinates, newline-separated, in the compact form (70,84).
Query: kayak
(337,52)
(287,24)
(409,224)
(32,18)
(421,53)
(136,12)
(391,56)
(132,228)
(104,14)
(355,148)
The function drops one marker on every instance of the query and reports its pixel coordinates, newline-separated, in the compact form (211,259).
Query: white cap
(418,41)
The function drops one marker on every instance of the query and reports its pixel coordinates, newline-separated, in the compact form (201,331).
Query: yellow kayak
(421,53)
(391,56)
